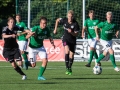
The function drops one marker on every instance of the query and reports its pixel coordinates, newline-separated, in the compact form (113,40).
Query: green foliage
(54,9)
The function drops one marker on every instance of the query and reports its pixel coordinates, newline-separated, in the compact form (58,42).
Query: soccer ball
(97,70)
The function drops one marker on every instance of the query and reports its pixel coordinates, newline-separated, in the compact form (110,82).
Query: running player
(22,41)
(36,37)
(89,25)
(11,50)
(107,31)
(71,29)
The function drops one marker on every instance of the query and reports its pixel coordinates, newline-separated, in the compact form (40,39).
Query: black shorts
(71,46)
(12,54)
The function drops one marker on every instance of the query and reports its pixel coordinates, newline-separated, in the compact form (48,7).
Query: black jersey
(10,42)
(73,26)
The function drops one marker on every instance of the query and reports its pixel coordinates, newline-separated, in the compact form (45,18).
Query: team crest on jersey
(72,27)
(45,32)
(113,26)
(15,32)
(94,23)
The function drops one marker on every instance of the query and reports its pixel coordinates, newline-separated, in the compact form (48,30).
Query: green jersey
(22,27)
(41,34)
(90,24)
(107,30)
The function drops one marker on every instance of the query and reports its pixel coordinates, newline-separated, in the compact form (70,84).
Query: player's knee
(111,51)
(22,52)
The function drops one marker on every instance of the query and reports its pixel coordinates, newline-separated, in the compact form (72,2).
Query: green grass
(81,79)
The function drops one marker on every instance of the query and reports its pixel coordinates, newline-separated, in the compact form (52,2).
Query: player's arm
(83,32)
(56,25)
(4,35)
(52,42)
(30,34)
(76,30)
(8,36)
(96,31)
(24,31)
(117,33)
(75,33)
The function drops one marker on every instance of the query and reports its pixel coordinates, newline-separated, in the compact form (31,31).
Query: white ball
(97,70)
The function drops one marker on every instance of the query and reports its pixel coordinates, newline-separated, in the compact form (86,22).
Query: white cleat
(24,77)
(117,69)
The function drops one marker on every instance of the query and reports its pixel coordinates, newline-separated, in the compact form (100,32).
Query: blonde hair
(109,13)
(71,12)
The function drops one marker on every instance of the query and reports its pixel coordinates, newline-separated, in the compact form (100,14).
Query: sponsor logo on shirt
(107,32)
(42,37)
(72,27)
(91,27)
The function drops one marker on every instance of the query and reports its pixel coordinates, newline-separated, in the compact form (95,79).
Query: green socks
(112,58)
(91,57)
(95,55)
(42,69)
(100,57)
(25,57)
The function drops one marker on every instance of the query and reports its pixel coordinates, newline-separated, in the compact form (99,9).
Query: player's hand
(97,38)
(34,34)
(55,31)
(69,30)
(53,46)
(116,35)
(83,36)
(13,36)
(18,34)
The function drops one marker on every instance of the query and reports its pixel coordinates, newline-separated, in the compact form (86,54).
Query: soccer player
(107,31)
(11,50)
(22,41)
(89,25)
(36,37)
(71,29)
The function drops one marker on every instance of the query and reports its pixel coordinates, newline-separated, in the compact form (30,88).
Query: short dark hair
(43,18)
(91,11)
(10,18)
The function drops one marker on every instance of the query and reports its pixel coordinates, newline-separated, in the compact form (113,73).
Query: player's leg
(67,58)
(22,47)
(10,57)
(106,46)
(112,58)
(66,48)
(92,44)
(32,57)
(43,55)
(71,57)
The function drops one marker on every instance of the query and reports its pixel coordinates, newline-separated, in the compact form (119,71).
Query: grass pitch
(81,79)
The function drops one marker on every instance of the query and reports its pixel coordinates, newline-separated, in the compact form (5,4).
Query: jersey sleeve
(34,29)
(24,25)
(76,29)
(116,28)
(4,30)
(85,23)
(100,25)
(48,33)
(62,20)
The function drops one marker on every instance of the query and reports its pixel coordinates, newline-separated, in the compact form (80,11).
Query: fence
(54,9)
